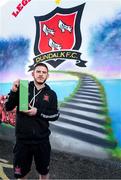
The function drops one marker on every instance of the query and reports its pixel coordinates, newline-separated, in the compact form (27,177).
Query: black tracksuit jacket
(34,129)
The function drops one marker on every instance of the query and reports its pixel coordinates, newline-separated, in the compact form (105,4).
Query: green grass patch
(116,153)
(6,125)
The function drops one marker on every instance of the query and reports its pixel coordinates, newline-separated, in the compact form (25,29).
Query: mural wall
(80,43)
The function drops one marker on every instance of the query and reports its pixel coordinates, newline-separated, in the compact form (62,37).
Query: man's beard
(40,83)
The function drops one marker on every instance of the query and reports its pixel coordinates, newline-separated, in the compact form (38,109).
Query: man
(32,126)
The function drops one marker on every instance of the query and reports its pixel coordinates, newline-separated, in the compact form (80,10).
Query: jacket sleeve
(51,113)
(12,101)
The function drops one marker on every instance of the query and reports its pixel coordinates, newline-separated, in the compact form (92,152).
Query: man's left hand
(31,112)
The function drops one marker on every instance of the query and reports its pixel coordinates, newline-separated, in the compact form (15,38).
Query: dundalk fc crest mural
(58,37)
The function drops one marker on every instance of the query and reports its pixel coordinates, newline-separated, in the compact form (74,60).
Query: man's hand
(15,85)
(31,112)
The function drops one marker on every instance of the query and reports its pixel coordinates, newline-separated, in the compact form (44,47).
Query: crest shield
(58,36)
(58,30)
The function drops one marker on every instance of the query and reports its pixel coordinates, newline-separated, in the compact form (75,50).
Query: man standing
(32,126)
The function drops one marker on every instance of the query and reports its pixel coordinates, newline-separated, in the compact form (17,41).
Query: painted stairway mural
(81,126)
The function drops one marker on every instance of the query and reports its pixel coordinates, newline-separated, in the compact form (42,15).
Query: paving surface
(64,166)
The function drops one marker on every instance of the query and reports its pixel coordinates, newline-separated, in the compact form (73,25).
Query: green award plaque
(23,95)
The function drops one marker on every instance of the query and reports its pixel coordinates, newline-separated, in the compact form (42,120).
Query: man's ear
(47,76)
(32,73)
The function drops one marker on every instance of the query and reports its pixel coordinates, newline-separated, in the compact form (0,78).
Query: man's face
(40,74)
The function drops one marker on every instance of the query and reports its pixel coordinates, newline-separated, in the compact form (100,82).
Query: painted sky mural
(100,34)
(13,54)
(104,47)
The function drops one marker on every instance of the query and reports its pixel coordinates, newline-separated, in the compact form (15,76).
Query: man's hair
(41,64)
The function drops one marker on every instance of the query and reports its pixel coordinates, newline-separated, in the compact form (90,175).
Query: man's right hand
(15,85)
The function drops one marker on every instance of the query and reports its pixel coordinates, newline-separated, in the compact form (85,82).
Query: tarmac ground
(63,166)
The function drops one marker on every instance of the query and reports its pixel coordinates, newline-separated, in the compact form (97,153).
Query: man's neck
(39,86)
